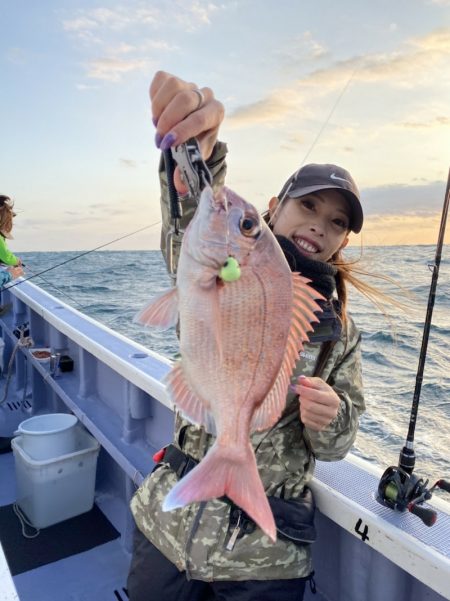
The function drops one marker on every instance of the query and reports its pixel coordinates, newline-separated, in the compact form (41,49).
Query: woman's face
(318,224)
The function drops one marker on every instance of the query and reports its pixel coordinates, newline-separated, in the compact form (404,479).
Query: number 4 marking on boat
(362,533)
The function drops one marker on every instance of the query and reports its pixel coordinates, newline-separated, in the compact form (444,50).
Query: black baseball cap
(314,177)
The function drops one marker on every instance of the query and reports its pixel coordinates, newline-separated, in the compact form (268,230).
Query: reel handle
(428,516)
(444,485)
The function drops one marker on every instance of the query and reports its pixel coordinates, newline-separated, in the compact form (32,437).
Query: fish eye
(249,226)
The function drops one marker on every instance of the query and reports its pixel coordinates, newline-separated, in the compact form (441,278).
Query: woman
(212,550)
(6,224)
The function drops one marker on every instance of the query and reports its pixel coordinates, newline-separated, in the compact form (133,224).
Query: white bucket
(48,436)
(56,489)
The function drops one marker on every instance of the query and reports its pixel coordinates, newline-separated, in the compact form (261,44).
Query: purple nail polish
(292,388)
(155,121)
(158,138)
(302,377)
(168,141)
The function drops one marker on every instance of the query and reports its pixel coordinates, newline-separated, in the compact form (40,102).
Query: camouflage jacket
(195,538)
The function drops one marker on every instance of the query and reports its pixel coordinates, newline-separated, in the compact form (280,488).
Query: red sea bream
(241,329)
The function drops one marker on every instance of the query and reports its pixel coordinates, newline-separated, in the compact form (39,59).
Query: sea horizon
(350,246)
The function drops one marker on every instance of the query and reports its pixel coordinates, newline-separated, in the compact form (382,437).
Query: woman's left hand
(15,271)
(319,403)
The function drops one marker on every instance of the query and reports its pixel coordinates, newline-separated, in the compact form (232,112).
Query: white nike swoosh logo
(334,176)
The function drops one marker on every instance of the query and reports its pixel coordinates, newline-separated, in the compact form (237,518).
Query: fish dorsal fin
(161,311)
(303,308)
(190,405)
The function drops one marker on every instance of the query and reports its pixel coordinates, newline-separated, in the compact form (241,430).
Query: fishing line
(83,254)
(82,307)
(327,120)
(227,229)
(55,287)
(314,142)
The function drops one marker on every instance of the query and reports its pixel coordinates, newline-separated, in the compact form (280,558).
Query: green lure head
(230,271)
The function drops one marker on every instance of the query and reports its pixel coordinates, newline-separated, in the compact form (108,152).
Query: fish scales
(249,362)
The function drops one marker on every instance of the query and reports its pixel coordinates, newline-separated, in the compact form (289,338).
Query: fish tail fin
(231,473)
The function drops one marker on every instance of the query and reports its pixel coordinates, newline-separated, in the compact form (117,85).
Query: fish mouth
(306,246)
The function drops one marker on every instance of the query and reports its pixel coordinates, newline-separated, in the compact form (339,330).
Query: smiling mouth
(306,246)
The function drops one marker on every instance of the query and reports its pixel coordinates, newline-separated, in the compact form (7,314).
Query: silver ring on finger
(201,98)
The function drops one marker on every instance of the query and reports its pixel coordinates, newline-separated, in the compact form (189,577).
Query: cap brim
(357,217)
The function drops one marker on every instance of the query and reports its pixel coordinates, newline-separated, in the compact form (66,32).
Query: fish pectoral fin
(272,406)
(303,313)
(161,311)
(190,405)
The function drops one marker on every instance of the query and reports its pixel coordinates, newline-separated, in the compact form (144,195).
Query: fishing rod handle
(444,485)
(174,201)
(428,516)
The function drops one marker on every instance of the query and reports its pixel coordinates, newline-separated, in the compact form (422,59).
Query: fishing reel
(404,491)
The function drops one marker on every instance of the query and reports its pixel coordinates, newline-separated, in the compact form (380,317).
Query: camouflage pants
(152,577)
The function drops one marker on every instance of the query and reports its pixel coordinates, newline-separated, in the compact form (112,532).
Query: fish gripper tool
(192,166)
(196,176)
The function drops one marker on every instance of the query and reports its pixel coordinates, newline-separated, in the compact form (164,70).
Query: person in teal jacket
(10,273)
(6,225)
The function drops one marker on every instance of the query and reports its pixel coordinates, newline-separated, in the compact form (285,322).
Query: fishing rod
(399,488)
(83,254)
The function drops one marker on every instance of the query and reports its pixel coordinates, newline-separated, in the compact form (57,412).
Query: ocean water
(112,286)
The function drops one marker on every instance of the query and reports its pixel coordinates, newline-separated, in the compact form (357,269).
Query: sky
(365,85)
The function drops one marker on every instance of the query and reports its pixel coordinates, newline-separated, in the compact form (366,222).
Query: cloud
(406,67)
(273,108)
(394,230)
(437,121)
(98,205)
(194,15)
(17,56)
(112,69)
(402,214)
(302,47)
(112,34)
(420,61)
(97,19)
(84,86)
(400,200)
(97,23)
(129,163)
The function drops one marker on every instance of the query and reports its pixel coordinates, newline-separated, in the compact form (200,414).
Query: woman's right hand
(178,116)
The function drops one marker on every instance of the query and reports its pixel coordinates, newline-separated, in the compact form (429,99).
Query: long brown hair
(6,214)
(348,272)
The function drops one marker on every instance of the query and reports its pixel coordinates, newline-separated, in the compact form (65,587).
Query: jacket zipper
(233,538)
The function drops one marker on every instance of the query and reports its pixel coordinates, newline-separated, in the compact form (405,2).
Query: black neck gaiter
(323,280)
(321,274)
